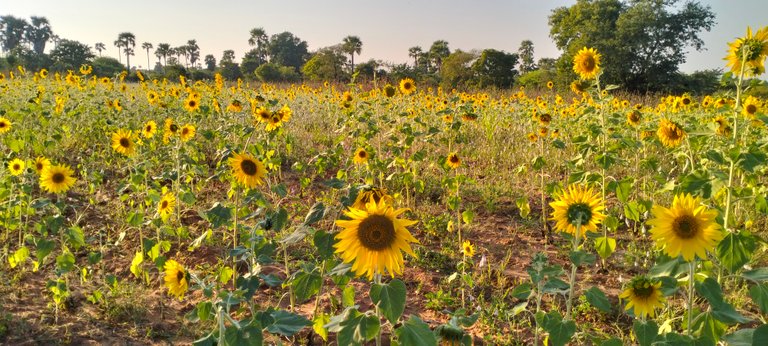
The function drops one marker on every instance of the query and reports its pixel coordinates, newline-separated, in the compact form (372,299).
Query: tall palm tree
(12,31)
(163,50)
(38,32)
(352,45)
(147,46)
(194,51)
(260,40)
(100,47)
(415,53)
(126,40)
(182,51)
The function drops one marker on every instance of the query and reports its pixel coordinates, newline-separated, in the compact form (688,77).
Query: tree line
(643,43)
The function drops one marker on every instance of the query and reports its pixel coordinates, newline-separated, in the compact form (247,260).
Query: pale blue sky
(386,27)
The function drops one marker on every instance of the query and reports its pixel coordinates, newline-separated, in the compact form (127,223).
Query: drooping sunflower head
(166,206)
(372,194)
(374,239)
(545,119)
(467,248)
(634,117)
(751,50)
(532,137)
(262,115)
(149,130)
(578,207)
(235,106)
(643,295)
(670,133)
(723,126)
(123,143)
(751,107)
(247,170)
(5,125)
(41,163)
(453,161)
(407,86)
(587,63)
(543,131)
(579,86)
(57,179)
(360,157)
(389,90)
(175,279)
(686,228)
(16,167)
(187,132)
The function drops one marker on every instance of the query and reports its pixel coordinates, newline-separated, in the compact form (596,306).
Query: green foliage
(456,69)
(327,64)
(495,68)
(390,299)
(272,72)
(285,49)
(69,55)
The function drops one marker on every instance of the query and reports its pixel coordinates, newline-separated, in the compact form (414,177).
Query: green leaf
(75,237)
(632,211)
(279,219)
(760,336)
(709,327)
(306,284)
(415,332)
(523,206)
(18,257)
(280,190)
(735,250)
(135,219)
(136,264)
(759,274)
(759,295)
(218,215)
(44,248)
(247,335)
(722,310)
(523,291)
(611,222)
(65,262)
(742,337)
(560,332)
(390,298)
(646,332)
(605,246)
(612,342)
(624,188)
(597,298)
(580,257)
(287,323)
(315,214)
(348,296)
(205,311)
(467,216)
(324,242)
(357,328)
(318,325)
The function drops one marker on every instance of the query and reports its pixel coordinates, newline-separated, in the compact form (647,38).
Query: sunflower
(43,73)
(543,132)
(587,63)
(16,167)
(274,122)
(751,107)
(752,49)
(41,163)
(453,160)
(5,125)
(723,126)
(122,142)
(191,104)
(467,248)
(347,97)
(644,295)
(361,156)
(687,228)
(373,238)
(175,279)
(550,85)
(170,129)
(149,130)
(247,170)
(670,133)
(187,132)
(166,205)
(407,86)
(235,106)
(285,113)
(86,69)
(372,194)
(545,119)
(532,137)
(634,117)
(578,206)
(389,90)
(262,114)
(57,179)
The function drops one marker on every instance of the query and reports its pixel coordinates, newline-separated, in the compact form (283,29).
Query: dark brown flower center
(751,109)
(376,232)
(579,214)
(643,288)
(362,154)
(58,178)
(16,167)
(164,204)
(174,128)
(589,63)
(454,159)
(125,142)
(249,167)
(179,275)
(685,226)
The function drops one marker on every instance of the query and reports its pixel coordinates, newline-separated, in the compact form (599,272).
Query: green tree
(327,64)
(163,50)
(126,41)
(106,67)
(12,31)
(193,50)
(69,55)
(495,68)
(438,52)
(456,69)
(227,58)
(525,52)
(352,45)
(210,62)
(415,53)
(370,70)
(272,72)
(100,47)
(261,41)
(38,32)
(288,50)
(250,62)
(642,41)
(147,46)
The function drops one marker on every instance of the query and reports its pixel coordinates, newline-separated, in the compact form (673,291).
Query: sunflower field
(223,212)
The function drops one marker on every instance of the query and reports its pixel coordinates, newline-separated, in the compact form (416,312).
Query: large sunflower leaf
(390,298)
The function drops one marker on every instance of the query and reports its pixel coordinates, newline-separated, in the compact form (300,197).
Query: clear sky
(387,28)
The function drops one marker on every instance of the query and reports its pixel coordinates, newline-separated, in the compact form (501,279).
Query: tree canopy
(642,41)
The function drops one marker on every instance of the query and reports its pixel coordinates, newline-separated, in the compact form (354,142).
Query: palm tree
(182,51)
(126,40)
(128,53)
(12,33)
(260,40)
(163,50)
(352,45)
(100,47)
(38,32)
(415,53)
(147,46)
(438,52)
(194,51)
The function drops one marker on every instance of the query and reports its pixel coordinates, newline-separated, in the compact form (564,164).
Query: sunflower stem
(691,269)
(377,281)
(572,281)
(288,275)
